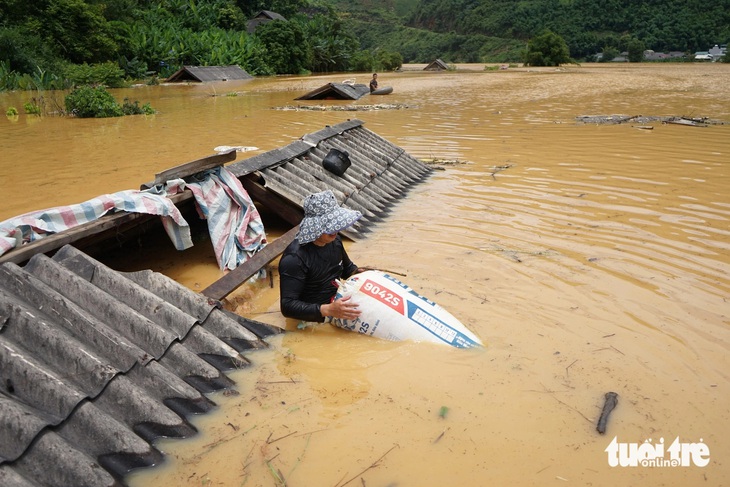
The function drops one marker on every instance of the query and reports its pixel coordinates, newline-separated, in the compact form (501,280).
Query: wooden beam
(194,167)
(235,278)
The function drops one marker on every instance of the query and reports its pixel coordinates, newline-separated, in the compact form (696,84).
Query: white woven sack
(391,310)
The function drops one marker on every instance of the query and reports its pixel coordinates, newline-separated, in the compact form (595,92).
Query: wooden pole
(235,278)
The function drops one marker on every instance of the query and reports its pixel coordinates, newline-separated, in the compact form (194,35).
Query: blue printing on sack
(438,328)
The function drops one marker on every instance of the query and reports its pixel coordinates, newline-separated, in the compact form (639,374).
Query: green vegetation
(588,26)
(32,108)
(547,49)
(96,102)
(60,44)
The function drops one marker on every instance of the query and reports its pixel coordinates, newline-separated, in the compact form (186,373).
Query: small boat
(385,90)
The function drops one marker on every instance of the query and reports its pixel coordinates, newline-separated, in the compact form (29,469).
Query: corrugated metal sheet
(337,91)
(96,364)
(380,174)
(208,73)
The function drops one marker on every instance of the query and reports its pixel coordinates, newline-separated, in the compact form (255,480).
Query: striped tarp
(233,221)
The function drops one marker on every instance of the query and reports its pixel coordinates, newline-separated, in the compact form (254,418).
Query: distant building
(703,56)
(336,91)
(261,18)
(650,55)
(717,52)
(201,74)
(437,65)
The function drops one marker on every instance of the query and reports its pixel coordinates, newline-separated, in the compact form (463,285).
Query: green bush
(130,108)
(389,60)
(363,61)
(90,102)
(11,112)
(547,49)
(32,108)
(107,74)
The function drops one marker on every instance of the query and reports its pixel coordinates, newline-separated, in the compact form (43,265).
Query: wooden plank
(194,167)
(235,278)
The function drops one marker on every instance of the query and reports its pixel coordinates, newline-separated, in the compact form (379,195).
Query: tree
(547,49)
(79,30)
(635,49)
(609,54)
(287,49)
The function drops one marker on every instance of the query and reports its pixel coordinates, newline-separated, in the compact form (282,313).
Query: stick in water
(611,402)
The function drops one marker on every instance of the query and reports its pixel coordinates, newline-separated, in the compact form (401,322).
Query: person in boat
(316,258)
(374,83)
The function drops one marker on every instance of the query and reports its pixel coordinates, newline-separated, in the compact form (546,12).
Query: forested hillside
(586,25)
(46,44)
(497,30)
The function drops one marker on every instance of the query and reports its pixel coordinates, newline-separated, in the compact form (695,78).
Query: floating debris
(346,108)
(435,161)
(642,119)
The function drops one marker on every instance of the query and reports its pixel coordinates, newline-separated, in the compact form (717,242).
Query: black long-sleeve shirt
(307,275)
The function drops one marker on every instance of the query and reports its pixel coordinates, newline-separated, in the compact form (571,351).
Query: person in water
(374,83)
(316,258)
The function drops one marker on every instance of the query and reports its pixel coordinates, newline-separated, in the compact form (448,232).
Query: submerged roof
(208,73)
(336,91)
(380,172)
(437,65)
(97,364)
(261,18)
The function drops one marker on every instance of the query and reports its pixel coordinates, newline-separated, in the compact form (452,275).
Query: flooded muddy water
(589,258)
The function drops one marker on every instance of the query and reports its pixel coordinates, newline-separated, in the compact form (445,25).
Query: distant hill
(497,30)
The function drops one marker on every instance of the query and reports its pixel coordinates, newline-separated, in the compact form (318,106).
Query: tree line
(588,26)
(54,44)
(46,44)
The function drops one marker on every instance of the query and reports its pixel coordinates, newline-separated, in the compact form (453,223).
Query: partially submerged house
(96,364)
(437,65)
(261,18)
(337,91)
(203,74)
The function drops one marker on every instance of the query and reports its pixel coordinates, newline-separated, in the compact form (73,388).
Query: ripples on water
(589,258)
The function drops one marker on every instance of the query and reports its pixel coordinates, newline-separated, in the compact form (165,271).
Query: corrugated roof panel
(81,403)
(77,322)
(380,172)
(209,73)
(338,91)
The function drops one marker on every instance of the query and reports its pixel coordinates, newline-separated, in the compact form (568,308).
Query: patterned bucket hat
(323,215)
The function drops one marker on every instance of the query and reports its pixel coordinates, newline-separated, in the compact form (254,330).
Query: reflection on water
(589,258)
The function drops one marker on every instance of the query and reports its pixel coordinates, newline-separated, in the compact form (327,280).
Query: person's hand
(342,308)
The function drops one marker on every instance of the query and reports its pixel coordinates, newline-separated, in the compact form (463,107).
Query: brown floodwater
(589,258)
